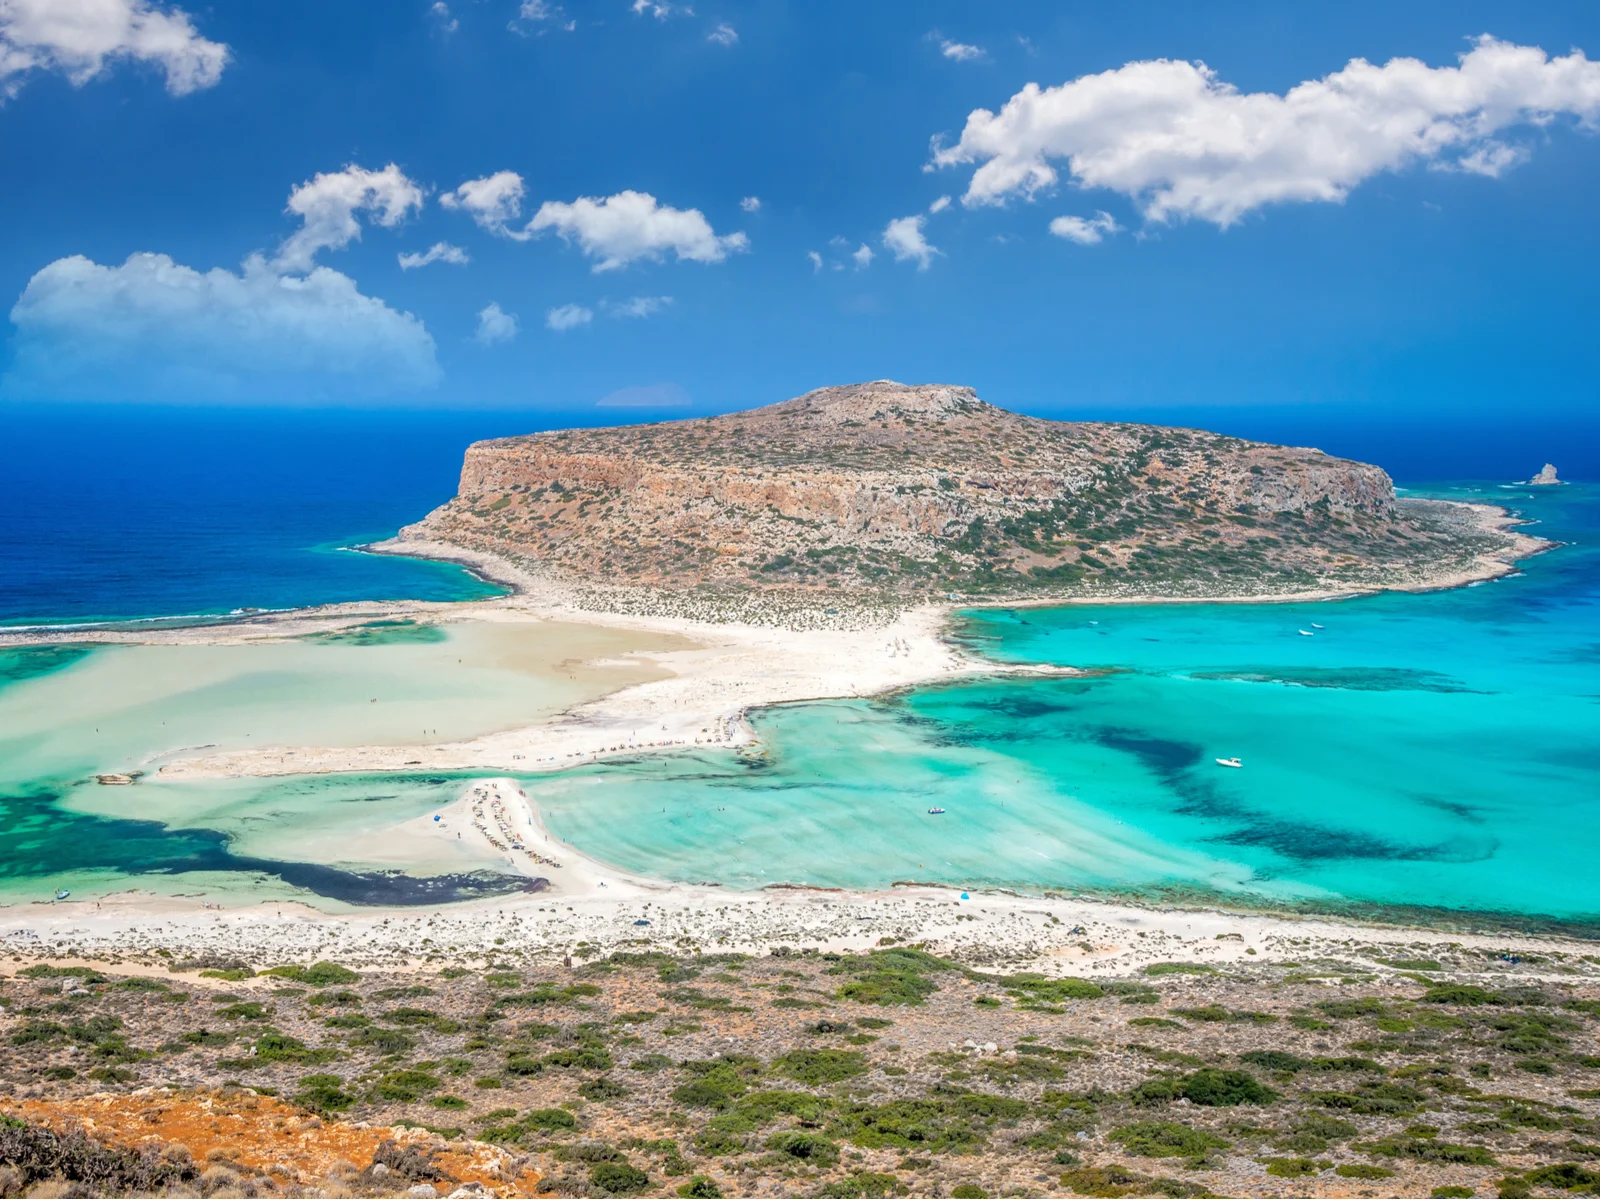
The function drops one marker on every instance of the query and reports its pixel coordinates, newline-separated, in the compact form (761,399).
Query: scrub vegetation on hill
(889,1072)
(876,495)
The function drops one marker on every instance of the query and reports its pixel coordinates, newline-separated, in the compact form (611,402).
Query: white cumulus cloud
(959,51)
(79,37)
(750,204)
(328,204)
(438,252)
(863,256)
(903,238)
(153,329)
(568,316)
(492,202)
(660,9)
(815,259)
(640,306)
(1183,143)
(440,11)
(1086,231)
(495,325)
(939,205)
(724,35)
(617,230)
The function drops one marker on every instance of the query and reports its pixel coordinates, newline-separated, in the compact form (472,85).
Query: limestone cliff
(911,491)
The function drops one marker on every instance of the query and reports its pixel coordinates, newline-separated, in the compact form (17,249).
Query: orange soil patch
(264,1134)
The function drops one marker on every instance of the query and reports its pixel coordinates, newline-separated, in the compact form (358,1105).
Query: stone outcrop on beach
(921,491)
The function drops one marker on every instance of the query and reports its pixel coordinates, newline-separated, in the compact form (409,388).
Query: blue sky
(1412,237)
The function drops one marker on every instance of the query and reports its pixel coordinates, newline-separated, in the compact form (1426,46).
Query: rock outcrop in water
(905,492)
(1546,476)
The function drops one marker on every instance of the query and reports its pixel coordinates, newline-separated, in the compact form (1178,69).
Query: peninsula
(886,494)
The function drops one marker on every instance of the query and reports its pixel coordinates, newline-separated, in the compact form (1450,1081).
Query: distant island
(883,494)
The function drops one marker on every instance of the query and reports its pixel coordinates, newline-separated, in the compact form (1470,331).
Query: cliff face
(911,490)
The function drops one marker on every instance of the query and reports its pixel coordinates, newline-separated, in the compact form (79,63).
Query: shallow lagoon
(1429,751)
(1436,751)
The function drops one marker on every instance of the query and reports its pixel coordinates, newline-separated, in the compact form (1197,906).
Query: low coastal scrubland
(1435,1069)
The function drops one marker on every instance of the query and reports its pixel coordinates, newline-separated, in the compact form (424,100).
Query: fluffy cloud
(493,202)
(79,37)
(568,316)
(438,252)
(959,51)
(724,35)
(660,9)
(903,238)
(541,13)
(495,325)
(1182,143)
(750,204)
(152,329)
(440,11)
(939,205)
(327,207)
(1086,231)
(815,259)
(863,256)
(640,306)
(629,226)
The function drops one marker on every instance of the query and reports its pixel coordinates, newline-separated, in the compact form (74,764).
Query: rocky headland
(883,494)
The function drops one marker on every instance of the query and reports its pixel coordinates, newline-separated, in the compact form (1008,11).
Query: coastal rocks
(1545,478)
(114,779)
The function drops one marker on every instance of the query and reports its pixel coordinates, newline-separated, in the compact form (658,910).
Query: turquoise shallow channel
(1416,757)
(1438,751)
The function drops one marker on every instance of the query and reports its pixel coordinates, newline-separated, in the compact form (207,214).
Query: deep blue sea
(1406,754)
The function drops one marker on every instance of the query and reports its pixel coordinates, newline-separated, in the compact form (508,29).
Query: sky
(634,207)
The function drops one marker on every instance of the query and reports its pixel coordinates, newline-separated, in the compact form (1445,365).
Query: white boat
(1305,633)
(62,893)
(934,812)
(1229,762)
(1314,625)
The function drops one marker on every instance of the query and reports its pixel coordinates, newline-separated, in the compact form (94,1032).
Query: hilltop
(886,493)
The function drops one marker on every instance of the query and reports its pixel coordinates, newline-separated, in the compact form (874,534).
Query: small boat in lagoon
(62,893)
(934,812)
(1230,762)
(1305,633)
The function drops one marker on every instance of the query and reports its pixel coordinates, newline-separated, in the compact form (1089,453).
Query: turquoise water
(1418,752)
(1435,751)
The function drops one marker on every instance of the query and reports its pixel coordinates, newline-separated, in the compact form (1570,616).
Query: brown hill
(903,492)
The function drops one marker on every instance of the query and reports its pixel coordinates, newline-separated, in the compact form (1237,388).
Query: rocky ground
(805,1073)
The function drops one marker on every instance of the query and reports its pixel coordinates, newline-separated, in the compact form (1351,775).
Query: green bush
(323,1093)
(1362,1171)
(821,1066)
(1179,968)
(407,1086)
(1294,1168)
(1461,993)
(701,1187)
(807,1147)
(619,1178)
(1165,1139)
(861,1184)
(1452,1191)
(1567,1176)
(1216,1088)
(968,1191)
(318,975)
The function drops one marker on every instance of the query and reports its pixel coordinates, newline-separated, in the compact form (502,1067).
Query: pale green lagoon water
(1418,753)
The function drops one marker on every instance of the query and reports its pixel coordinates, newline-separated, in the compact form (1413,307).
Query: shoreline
(733,670)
